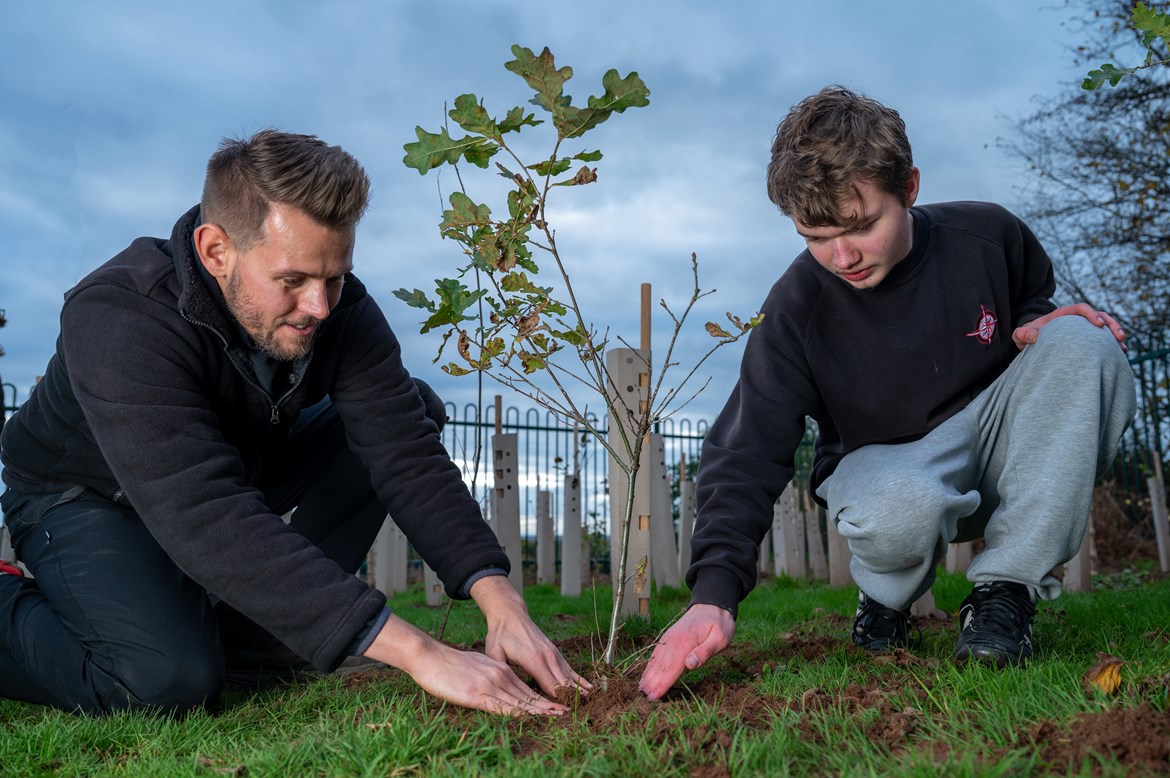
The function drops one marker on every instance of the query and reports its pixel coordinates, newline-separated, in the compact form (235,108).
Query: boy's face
(880,237)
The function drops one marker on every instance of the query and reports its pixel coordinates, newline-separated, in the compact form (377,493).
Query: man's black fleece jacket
(881,365)
(150,400)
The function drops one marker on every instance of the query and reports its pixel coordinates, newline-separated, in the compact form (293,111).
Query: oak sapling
(1154,28)
(527,329)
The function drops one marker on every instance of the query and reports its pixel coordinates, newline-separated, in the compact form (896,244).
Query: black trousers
(108,622)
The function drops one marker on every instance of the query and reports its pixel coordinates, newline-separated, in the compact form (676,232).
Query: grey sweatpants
(1015,467)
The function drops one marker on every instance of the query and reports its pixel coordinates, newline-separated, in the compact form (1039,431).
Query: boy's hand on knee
(702,632)
(1028,333)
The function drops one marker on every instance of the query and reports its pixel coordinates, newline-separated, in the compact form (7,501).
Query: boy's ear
(215,249)
(912,187)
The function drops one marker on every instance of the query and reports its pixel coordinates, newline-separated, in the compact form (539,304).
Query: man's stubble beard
(244,310)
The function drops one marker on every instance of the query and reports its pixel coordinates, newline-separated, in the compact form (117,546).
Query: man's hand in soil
(464,678)
(701,633)
(512,637)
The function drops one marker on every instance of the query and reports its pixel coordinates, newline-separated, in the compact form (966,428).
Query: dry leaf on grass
(1104,676)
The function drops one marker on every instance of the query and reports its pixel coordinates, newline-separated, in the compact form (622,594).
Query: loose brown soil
(1137,738)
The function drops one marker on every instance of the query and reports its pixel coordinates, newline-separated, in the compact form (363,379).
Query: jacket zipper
(274,417)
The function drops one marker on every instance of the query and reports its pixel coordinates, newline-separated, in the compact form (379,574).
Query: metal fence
(547,451)
(1144,448)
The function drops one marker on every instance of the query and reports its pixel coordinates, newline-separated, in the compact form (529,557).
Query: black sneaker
(996,622)
(878,628)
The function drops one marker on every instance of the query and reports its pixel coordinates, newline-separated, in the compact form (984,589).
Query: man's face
(285,285)
(880,237)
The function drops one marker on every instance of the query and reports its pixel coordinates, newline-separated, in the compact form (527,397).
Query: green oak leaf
(454,300)
(505,173)
(530,362)
(469,114)
(620,94)
(494,347)
(574,337)
(588,156)
(464,212)
(1151,24)
(435,149)
(415,299)
(552,167)
(542,74)
(516,118)
(480,155)
(1107,72)
(519,282)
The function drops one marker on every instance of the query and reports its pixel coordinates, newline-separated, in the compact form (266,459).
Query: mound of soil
(1138,738)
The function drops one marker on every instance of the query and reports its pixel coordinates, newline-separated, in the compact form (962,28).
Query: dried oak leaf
(1104,676)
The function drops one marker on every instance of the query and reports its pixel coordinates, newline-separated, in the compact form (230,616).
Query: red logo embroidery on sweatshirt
(986,329)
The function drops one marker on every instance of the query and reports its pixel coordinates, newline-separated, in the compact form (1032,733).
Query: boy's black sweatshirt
(881,365)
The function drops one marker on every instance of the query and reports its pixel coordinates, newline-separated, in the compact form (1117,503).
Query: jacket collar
(195,300)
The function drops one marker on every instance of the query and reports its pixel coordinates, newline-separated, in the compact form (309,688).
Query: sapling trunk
(623,555)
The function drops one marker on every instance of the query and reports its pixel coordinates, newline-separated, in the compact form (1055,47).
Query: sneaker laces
(874,620)
(1000,607)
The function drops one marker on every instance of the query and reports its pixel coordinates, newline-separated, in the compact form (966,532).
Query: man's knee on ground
(176,683)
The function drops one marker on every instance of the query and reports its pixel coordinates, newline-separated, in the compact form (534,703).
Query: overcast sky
(109,110)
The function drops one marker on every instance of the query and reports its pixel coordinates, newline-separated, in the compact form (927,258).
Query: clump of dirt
(1138,738)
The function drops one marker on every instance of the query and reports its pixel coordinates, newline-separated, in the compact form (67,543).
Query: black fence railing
(8,401)
(548,450)
(1146,443)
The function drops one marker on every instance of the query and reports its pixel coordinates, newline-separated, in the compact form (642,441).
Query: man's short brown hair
(825,145)
(244,177)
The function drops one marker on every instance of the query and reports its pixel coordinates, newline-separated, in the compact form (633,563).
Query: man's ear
(912,186)
(215,249)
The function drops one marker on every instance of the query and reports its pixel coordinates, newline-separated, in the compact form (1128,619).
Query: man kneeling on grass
(204,386)
(953,399)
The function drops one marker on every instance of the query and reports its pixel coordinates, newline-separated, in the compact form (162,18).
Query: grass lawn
(790,697)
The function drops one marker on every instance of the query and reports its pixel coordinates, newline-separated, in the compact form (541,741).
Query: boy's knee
(888,551)
(1076,344)
(1080,338)
(911,505)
